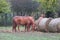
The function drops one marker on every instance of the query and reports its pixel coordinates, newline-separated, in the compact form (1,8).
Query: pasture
(4,35)
(26,13)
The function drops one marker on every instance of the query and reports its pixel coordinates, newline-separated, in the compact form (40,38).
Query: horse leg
(14,28)
(28,28)
(18,28)
(33,27)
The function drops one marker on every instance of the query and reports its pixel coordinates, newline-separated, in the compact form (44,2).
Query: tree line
(11,8)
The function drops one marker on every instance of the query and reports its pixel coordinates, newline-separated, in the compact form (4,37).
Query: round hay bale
(54,25)
(43,24)
(37,23)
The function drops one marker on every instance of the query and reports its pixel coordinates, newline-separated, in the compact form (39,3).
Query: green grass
(27,35)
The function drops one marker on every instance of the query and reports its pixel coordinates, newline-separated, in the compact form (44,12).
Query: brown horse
(23,20)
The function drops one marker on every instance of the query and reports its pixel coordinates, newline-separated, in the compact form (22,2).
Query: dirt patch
(5,31)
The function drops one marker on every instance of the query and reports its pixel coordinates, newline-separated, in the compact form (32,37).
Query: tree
(48,6)
(58,8)
(4,9)
(26,6)
(4,6)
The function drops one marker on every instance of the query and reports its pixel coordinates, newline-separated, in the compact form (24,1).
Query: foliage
(4,6)
(48,5)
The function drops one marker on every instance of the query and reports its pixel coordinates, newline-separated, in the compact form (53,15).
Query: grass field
(27,35)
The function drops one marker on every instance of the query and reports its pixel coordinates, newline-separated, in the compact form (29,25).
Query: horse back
(23,19)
